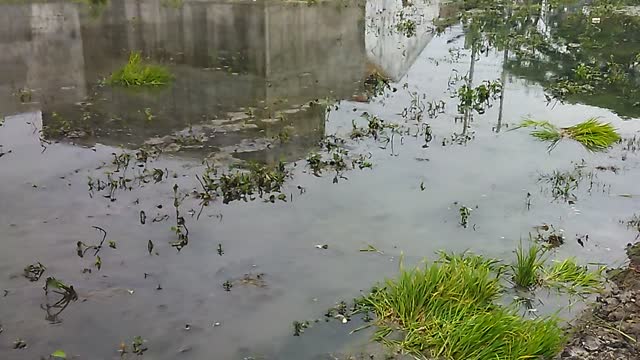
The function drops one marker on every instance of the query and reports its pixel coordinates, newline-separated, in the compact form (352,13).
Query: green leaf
(59,354)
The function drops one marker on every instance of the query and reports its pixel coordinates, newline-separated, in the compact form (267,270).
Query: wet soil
(610,328)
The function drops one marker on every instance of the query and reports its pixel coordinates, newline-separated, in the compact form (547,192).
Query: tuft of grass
(526,269)
(447,310)
(137,73)
(592,134)
(568,276)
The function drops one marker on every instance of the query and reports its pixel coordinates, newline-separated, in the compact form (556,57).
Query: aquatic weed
(464,212)
(180,229)
(376,83)
(564,184)
(547,235)
(478,98)
(254,180)
(633,223)
(67,295)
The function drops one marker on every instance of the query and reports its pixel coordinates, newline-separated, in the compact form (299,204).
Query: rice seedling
(592,134)
(447,310)
(526,269)
(137,73)
(572,278)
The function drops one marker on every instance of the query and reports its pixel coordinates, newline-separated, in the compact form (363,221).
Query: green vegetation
(256,180)
(572,278)
(137,73)
(526,270)
(407,27)
(586,56)
(530,271)
(448,309)
(59,354)
(376,83)
(592,134)
(478,98)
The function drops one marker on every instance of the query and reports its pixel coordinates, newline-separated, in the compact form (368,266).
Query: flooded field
(361,147)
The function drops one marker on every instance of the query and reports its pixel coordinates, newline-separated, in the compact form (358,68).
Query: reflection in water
(243,71)
(391,50)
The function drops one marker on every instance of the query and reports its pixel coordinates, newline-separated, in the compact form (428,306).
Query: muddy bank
(610,328)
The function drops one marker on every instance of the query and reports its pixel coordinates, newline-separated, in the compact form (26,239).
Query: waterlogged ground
(267,81)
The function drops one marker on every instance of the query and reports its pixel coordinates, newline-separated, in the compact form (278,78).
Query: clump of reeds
(138,73)
(592,134)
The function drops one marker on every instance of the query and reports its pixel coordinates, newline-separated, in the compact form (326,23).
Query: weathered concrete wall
(40,49)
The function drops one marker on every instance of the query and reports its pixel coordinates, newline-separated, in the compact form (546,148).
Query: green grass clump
(568,276)
(447,310)
(529,271)
(526,270)
(592,134)
(137,73)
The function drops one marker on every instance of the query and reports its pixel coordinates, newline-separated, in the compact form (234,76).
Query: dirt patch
(610,328)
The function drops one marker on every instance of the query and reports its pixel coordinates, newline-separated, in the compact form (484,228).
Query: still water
(245,73)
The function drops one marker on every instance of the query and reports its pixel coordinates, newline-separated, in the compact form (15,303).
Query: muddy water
(231,60)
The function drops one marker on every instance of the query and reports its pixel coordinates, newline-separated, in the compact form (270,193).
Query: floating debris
(33,272)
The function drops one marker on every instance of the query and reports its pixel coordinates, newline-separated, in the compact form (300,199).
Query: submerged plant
(376,83)
(563,185)
(592,134)
(138,347)
(465,212)
(67,294)
(180,229)
(137,73)
(547,235)
(633,223)
(478,98)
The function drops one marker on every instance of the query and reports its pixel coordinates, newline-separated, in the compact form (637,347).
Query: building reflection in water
(244,71)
